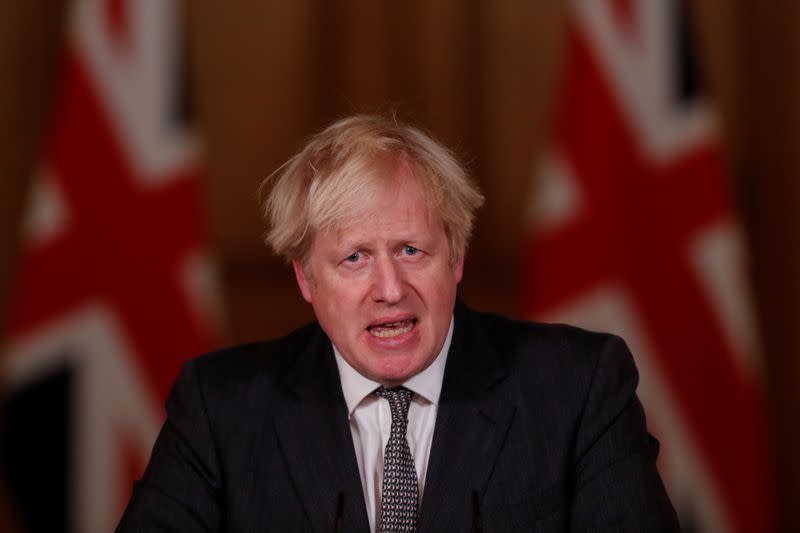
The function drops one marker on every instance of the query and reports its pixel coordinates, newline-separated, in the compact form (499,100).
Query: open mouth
(392,329)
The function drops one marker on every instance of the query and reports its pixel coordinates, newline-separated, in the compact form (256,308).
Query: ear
(458,268)
(303,282)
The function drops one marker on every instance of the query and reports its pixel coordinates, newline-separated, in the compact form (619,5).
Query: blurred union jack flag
(634,232)
(115,287)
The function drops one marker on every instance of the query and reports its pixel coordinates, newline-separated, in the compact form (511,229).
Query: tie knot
(399,399)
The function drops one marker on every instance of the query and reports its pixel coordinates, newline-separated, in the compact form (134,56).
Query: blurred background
(637,157)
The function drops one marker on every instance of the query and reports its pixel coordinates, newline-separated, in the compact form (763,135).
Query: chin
(397,374)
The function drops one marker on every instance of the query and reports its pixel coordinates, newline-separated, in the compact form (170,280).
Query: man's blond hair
(330,178)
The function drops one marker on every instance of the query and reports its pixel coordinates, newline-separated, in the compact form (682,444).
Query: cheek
(439,291)
(340,300)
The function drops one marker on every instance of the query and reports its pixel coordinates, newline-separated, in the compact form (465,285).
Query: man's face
(382,285)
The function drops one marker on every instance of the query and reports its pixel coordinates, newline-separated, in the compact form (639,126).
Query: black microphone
(337,523)
(477,518)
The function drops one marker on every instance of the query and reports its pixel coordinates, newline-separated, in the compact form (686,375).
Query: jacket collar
(316,442)
(471,425)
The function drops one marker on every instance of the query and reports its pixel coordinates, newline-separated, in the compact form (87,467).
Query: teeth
(392,329)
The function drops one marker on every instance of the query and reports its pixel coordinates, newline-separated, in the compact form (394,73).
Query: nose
(388,285)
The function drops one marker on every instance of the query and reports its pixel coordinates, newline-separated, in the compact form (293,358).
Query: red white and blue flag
(634,232)
(115,287)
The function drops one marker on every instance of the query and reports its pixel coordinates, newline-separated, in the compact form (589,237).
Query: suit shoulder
(557,347)
(268,360)
(501,329)
(556,370)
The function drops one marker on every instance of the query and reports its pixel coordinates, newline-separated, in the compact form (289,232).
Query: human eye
(410,250)
(353,257)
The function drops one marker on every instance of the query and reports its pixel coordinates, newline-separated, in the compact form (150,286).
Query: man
(401,409)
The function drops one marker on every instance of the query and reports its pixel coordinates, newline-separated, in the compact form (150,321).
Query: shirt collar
(427,384)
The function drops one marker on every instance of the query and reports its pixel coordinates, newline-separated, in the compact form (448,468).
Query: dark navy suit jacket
(538,429)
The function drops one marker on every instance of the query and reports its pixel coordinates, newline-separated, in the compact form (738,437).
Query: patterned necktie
(400,491)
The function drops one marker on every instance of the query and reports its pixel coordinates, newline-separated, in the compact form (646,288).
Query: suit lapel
(471,425)
(316,443)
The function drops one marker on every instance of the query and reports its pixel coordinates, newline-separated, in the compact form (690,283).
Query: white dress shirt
(371,422)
